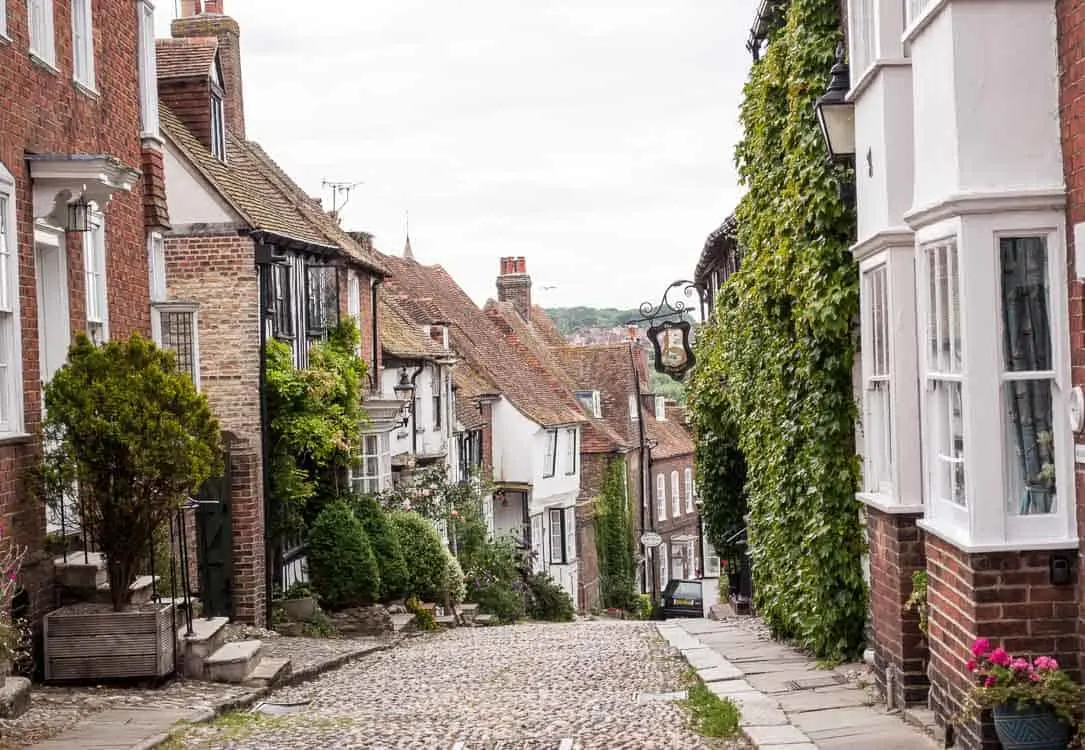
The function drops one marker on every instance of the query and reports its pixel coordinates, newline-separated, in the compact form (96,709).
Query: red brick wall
(592,468)
(190,100)
(229,36)
(1005,597)
(219,273)
(900,651)
(44,113)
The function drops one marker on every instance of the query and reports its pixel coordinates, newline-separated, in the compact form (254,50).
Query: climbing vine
(316,418)
(783,348)
(614,539)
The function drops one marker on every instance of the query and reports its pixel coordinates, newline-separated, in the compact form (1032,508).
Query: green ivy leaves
(775,368)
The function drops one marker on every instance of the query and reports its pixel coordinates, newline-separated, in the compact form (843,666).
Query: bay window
(371,467)
(877,401)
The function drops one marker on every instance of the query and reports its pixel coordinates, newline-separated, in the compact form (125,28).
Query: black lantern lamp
(78,215)
(404,390)
(836,115)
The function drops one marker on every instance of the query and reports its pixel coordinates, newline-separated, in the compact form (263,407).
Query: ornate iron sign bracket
(668,329)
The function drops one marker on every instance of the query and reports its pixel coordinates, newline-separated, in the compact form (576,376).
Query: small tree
(132,436)
(424,553)
(385,543)
(342,565)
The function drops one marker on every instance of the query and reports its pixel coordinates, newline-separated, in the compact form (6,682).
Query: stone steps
(401,622)
(269,673)
(234,662)
(208,636)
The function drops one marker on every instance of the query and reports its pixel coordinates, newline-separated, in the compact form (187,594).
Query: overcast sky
(593,138)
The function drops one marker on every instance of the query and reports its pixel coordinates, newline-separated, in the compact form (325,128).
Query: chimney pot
(191,8)
(213,7)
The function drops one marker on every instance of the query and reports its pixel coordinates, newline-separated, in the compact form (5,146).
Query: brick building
(79,126)
(249,254)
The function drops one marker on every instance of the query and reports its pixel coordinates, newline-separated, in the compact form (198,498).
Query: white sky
(593,137)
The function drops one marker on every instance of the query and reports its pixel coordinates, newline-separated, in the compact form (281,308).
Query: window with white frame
(177,328)
(676,496)
(558,552)
(634,413)
(3,19)
(97,304)
(148,71)
(82,43)
(864,41)
(664,573)
(438,406)
(661,497)
(915,9)
(42,35)
(877,404)
(591,401)
(570,534)
(371,465)
(570,451)
(1028,376)
(156,263)
(550,458)
(11,399)
(689,489)
(416,415)
(354,297)
(218,127)
(943,354)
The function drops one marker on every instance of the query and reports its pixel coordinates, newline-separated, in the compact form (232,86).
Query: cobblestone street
(523,686)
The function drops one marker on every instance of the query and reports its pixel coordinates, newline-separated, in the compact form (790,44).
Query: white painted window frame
(156,265)
(661,497)
(555,536)
(11,375)
(634,413)
(218,127)
(373,445)
(96,283)
(4,20)
(83,43)
(550,456)
(986,524)
(877,363)
(676,496)
(41,16)
(570,451)
(688,476)
(570,534)
(158,309)
(148,72)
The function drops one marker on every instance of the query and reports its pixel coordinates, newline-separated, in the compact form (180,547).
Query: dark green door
(214,544)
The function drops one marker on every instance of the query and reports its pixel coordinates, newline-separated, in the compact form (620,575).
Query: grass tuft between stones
(711,715)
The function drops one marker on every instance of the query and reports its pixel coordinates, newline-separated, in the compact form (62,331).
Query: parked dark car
(682,599)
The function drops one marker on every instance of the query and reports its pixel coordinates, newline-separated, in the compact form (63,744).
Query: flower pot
(1030,727)
(300,610)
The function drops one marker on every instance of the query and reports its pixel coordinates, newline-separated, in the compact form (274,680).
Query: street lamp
(836,115)
(404,391)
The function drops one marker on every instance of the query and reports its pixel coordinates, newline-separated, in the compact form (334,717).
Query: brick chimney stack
(202,18)
(514,285)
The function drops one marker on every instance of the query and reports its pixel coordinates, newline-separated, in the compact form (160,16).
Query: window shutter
(570,534)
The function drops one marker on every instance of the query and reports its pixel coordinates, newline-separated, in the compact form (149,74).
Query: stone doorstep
(400,622)
(208,636)
(140,592)
(81,571)
(269,673)
(234,662)
(777,735)
(14,697)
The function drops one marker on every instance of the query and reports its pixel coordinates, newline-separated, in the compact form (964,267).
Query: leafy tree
(342,565)
(134,438)
(384,540)
(614,538)
(424,554)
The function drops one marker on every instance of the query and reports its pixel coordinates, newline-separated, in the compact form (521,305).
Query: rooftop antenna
(340,190)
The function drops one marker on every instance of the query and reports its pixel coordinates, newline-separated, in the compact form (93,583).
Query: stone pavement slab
(119,728)
(787,702)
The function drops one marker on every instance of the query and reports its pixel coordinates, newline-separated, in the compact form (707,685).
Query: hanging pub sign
(670,331)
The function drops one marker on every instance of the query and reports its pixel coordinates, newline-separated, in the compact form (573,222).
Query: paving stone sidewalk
(787,702)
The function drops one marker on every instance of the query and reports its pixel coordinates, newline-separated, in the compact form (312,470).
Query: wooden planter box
(84,642)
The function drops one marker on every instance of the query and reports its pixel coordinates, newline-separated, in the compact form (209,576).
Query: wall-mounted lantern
(404,391)
(836,115)
(78,219)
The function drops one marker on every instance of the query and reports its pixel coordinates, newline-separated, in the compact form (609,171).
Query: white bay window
(877,399)
(998,446)
(371,465)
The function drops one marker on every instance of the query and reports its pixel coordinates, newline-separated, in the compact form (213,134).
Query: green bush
(494,581)
(614,539)
(424,554)
(454,588)
(342,567)
(423,618)
(547,600)
(384,540)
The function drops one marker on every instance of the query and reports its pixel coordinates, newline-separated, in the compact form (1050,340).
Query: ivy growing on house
(783,349)
(316,416)
(614,538)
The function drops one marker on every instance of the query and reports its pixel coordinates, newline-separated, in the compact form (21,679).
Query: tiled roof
(670,438)
(190,57)
(720,250)
(546,328)
(402,337)
(470,384)
(609,370)
(477,340)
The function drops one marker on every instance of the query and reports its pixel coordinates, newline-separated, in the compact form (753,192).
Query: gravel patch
(524,687)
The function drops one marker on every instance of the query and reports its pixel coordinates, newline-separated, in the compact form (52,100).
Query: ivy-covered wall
(783,349)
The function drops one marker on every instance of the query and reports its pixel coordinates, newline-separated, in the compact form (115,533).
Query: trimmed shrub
(547,600)
(423,553)
(454,587)
(385,543)
(342,567)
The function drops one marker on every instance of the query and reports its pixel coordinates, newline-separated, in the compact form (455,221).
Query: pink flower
(1046,662)
(980,647)
(1034,677)
(1000,657)
(1019,665)
(989,682)
(971,664)
(406,505)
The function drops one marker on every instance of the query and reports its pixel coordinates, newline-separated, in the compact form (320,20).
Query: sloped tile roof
(470,384)
(609,370)
(402,337)
(190,57)
(546,328)
(598,436)
(670,438)
(477,340)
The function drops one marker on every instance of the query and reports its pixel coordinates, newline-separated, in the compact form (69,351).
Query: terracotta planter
(1030,727)
(88,642)
(299,610)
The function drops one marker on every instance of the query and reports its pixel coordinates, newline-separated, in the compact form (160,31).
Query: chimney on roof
(206,18)
(514,285)
(633,331)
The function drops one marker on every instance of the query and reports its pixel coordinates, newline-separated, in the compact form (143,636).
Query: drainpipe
(645,470)
(414,411)
(270,549)
(374,288)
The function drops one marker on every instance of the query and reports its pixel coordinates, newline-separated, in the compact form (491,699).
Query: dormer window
(218,127)
(592,402)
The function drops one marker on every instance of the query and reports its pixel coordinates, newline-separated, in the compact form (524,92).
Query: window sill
(4,38)
(16,438)
(41,62)
(953,536)
(862,83)
(916,26)
(86,90)
(152,141)
(886,504)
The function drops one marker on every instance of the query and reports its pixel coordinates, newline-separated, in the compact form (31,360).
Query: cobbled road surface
(522,687)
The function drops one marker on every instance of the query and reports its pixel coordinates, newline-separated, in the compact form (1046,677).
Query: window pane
(6,294)
(947,433)
(1030,445)
(1026,330)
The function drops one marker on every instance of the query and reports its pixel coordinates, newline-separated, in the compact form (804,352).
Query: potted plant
(1034,703)
(129,437)
(299,602)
